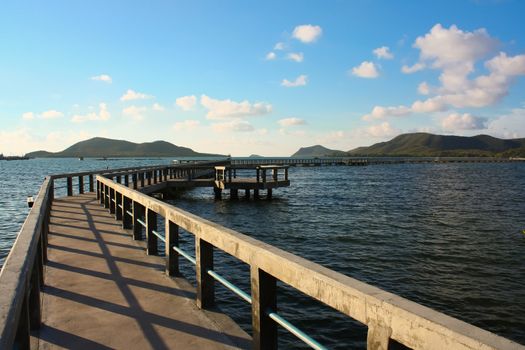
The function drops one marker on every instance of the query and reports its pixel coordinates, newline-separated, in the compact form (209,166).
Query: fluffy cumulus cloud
(135,113)
(286,122)
(226,109)
(103,77)
(158,107)
(510,125)
(188,124)
(383,52)
(279,46)
(51,114)
(270,56)
(295,56)
(416,67)
(186,103)
(233,126)
(301,80)
(454,53)
(379,112)
(465,121)
(131,95)
(383,130)
(307,33)
(366,70)
(102,115)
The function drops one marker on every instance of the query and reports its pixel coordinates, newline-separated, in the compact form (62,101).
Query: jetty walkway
(85,273)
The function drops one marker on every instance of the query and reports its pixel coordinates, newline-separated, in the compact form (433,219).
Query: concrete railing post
(378,336)
(112,201)
(118,210)
(151,224)
(138,213)
(23,334)
(90,179)
(69,186)
(98,190)
(264,297)
(127,221)
(205,283)
(172,240)
(106,196)
(81,184)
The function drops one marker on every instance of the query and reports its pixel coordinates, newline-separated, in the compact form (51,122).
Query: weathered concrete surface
(102,291)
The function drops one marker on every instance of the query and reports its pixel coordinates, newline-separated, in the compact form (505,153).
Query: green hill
(102,147)
(318,151)
(429,145)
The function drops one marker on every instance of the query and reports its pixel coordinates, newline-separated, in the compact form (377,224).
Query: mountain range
(103,147)
(429,145)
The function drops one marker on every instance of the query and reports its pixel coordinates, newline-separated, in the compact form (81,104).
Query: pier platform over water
(85,273)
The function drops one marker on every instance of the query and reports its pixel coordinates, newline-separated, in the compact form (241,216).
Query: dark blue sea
(448,236)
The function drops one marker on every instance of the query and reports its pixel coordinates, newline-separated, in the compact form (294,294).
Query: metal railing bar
(159,236)
(129,213)
(294,330)
(184,254)
(120,206)
(141,222)
(230,286)
(113,200)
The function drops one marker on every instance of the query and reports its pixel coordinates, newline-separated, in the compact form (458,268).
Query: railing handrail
(385,314)
(16,273)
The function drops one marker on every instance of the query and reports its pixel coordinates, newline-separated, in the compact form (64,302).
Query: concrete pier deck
(102,291)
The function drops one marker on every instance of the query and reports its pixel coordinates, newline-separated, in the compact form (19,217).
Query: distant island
(2,157)
(428,145)
(104,147)
(318,151)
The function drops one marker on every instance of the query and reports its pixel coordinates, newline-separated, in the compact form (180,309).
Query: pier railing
(387,315)
(22,275)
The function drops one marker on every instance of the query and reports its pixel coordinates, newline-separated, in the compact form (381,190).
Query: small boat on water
(80,158)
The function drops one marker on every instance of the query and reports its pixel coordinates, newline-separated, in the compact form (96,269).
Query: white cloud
(383,130)
(102,115)
(430,105)
(103,77)
(455,53)
(412,69)
(466,121)
(301,80)
(233,126)
(188,124)
(423,88)
(279,46)
(270,56)
(383,52)
(307,33)
(131,95)
(224,109)
(379,112)
(186,103)
(509,125)
(28,116)
(51,114)
(158,107)
(295,56)
(366,70)
(134,112)
(296,133)
(286,122)
(443,47)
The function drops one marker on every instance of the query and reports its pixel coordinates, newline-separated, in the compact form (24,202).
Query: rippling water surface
(448,236)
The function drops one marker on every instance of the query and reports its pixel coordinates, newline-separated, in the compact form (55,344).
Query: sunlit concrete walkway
(102,291)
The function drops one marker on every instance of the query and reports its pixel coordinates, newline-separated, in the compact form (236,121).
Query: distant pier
(85,272)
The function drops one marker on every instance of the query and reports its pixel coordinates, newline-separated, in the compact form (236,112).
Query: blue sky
(245,77)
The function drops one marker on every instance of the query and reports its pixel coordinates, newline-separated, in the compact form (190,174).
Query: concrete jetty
(85,272)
